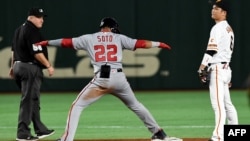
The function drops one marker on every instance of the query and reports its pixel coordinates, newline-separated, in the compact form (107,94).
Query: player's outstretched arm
(151,44)
(64,42)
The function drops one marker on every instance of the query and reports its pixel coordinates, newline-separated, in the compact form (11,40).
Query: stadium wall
(183,24)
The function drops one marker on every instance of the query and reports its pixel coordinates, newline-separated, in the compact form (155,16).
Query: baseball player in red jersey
(217,58)
(105,51)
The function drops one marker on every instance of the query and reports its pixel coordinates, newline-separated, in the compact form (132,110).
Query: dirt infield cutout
(184,139)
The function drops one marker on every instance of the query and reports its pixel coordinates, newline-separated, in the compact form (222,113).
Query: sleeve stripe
(67,42)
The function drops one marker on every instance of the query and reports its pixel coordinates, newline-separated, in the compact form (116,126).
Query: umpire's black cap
(223,4)
(38,12)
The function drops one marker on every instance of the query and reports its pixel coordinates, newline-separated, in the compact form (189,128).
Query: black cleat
(45,134)
(30,138)
(159,135)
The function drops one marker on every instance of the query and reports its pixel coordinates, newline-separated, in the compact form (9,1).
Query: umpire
(28,62)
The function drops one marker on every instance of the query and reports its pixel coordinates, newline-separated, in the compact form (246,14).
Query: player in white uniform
(105,51)
(217,58)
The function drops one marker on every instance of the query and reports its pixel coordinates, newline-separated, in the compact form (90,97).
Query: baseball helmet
(111,23)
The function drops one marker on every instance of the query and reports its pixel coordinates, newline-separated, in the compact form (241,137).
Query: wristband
(155,44)
(206,59)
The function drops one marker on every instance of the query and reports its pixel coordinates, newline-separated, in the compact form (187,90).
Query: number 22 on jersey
(105,54)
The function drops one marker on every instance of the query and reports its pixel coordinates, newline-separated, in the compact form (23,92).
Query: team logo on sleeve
(37,47)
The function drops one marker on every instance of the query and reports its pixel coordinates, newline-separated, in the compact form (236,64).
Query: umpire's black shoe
(45,134)
(30,138)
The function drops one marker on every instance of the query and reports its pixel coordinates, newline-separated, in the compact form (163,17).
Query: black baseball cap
(38,12)
(223,4)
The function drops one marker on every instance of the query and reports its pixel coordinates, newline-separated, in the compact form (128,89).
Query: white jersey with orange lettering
(222,41)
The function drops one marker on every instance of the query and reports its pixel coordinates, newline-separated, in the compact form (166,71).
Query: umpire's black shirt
(26,35)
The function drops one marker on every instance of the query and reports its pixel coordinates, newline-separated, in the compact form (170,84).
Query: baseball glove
(204,76)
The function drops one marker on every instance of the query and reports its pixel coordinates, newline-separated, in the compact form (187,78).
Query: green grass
(182,114)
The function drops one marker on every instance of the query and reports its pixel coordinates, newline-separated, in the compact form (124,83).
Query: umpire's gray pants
(29,78)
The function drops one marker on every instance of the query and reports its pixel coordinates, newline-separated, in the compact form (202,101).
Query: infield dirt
(184,139)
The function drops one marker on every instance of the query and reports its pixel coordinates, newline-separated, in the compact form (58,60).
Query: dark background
(184,24)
